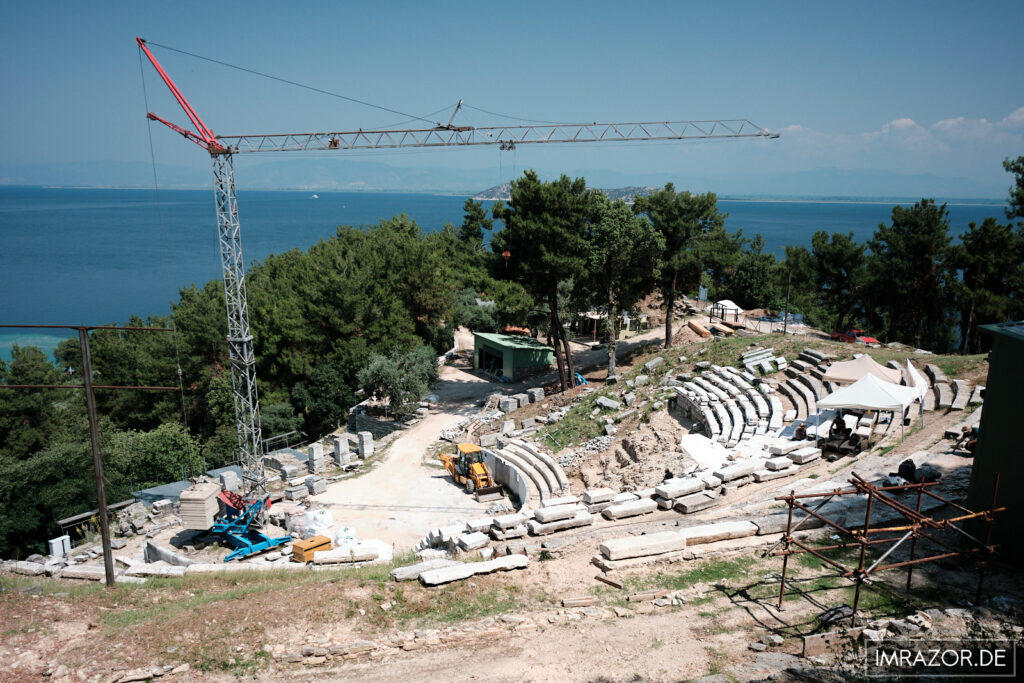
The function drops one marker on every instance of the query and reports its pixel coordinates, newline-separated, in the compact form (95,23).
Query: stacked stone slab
(315,484)
(341,451)
(296,492)
(522,400)
(365,444)
(581,518)
(316,457)
(199,505)
(943,395)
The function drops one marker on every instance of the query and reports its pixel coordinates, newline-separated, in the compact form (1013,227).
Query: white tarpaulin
(853,370)
(871,393)
(729,307)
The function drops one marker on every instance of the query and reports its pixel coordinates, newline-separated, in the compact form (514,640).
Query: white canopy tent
(849,371)
(871,393)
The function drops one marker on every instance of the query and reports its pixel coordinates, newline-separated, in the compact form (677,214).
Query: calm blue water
(97,256)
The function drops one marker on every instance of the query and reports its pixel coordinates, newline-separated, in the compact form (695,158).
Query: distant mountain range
(627,193)
(336,174)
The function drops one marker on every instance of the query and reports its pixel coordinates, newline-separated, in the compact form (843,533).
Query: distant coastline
(482,195)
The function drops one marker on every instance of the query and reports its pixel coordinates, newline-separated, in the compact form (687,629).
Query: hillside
(626,193)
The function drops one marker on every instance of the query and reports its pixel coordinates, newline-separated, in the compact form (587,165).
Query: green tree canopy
(840,274)
(545,233)
(622,261)
(682,219)
(402,378)
(912,278)
(990,258)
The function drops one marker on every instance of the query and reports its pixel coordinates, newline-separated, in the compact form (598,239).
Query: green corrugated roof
(1014,330)
(512,341)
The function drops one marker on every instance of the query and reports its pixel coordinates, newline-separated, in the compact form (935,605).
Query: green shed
(509,355)
(999,442)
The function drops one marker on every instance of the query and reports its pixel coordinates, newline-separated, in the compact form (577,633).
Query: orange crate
(302,551)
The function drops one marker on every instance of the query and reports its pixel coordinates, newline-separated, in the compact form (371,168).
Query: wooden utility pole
(94,431)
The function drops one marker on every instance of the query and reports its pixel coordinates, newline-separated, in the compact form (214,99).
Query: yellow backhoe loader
(467,467)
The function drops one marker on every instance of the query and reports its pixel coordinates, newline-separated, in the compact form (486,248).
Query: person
(668,474)
(801,433)
(836,429)
(970,436)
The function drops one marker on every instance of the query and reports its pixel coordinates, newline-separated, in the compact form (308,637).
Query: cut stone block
(347,554)
(26,568)
(694,503)
(296,492)
(652,364)
(507,404)
(508,426)
(509,521)
(631,508)
(789,416)
(780,463)
(412,572)
(517,531)
(88,572)
(155,569)
(581,519)
(341,451)
(561,500)
(642,546)
(365,444)
(553,514)
(472,541)
(674,488)
(434,577)
(943,395)
(740,469)
(522,399)
(963,394)
(720,531)
(784,447)
(768,475)
(629,398)
(481,524)
(625,497)
(229,481)
(805,455)
(641,381)
(536,395)
(591,496)
(607,403)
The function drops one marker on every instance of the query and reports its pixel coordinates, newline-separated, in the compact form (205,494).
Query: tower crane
(223,148)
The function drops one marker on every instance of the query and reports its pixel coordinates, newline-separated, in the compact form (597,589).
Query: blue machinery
(235,529)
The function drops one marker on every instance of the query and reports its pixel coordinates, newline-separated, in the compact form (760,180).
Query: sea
(98,256)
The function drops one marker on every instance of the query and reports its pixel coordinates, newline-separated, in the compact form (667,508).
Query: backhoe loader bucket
(489,493)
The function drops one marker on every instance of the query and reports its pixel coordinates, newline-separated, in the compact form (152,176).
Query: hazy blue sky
(903,87)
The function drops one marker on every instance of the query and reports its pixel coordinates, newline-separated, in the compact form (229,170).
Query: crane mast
(223,148)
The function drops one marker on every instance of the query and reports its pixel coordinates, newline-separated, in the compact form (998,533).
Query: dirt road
(401,498)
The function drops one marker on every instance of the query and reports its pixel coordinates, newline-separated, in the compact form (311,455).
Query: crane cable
(163,246)
(412,117)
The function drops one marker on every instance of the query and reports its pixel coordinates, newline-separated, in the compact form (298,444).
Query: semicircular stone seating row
(527,470)
(732,407)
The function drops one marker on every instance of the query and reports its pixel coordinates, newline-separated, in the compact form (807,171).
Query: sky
(871,90)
